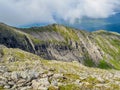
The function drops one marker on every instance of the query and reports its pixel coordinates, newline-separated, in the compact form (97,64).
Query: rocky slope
(57,42)
(20,70)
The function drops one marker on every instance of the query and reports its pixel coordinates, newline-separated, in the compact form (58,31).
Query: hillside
(57,42)
(20,70)
(55,57)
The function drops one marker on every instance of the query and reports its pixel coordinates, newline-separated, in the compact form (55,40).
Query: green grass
(69,87)
(20,55)
(104,65)
(52,88)
(116,64)
(88,62)
(67,33)
(111,47)
(72,76)
(1,88)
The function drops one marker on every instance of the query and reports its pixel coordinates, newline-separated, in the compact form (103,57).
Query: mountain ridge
(58,42)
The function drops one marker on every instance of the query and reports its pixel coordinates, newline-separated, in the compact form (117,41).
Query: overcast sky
(23,12)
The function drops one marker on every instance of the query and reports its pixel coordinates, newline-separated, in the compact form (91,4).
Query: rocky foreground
(20,70)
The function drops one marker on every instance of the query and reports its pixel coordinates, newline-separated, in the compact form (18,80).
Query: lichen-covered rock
(15,76)
(2,83)
(3,69)
(7,86)
(40,84)
(29,75)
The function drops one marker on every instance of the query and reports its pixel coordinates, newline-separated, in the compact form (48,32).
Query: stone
(29,75)
(11,83)
(35,84)
(7,75)
(57,75)
(29,83)
(100,80)
(100,85)
(53,81)
(15,76)
(14,87)
(3,79)
(24,74)
(2,83)
(7,87)
(50,74)
(3,69)
(21,82)
(42,88)
(25,88)
(43,75)
(77,81)
(40,83)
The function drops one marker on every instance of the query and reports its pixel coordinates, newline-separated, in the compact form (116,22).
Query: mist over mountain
(111,23)
(81,14)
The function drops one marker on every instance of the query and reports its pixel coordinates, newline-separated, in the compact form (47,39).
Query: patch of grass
(72,76)
(1,88)
(116,64)
(36,41)
(52,88)
(20,55)
(89,63)
(69,87)
(104,65)
(67,33)
(115,87)
(111,47)
(91,80)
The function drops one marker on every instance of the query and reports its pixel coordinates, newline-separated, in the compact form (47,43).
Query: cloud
(22,12)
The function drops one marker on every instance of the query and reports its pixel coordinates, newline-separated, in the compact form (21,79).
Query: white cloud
(21,12)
